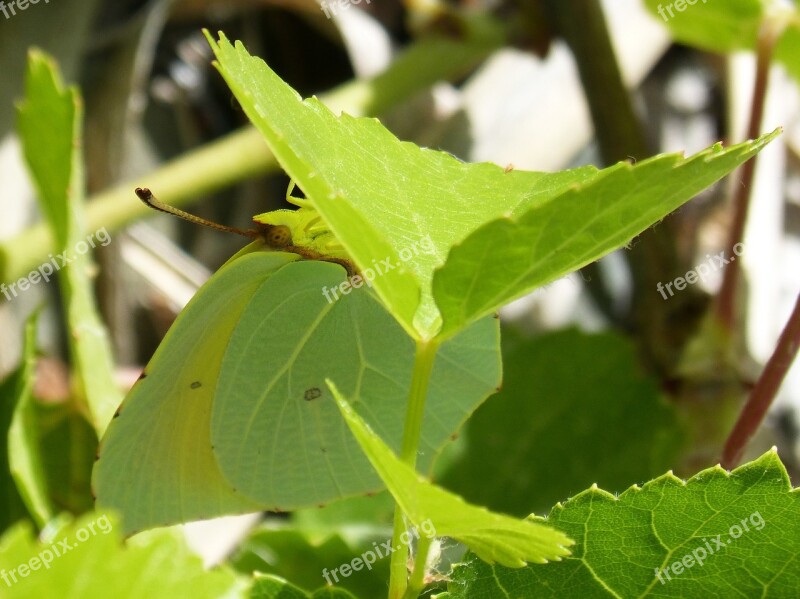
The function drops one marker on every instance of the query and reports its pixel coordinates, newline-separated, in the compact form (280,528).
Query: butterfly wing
(276,430)
(155,463)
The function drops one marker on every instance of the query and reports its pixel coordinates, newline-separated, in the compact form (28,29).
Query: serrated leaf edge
(768,461)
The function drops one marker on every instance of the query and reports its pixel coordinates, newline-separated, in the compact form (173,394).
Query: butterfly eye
(278,236)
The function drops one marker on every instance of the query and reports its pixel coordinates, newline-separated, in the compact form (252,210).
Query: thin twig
(725,304)
(764,392)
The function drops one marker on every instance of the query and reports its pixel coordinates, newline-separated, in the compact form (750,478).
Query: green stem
(397,566)
(236,157)
(243,154)
(417,581)
(423,366)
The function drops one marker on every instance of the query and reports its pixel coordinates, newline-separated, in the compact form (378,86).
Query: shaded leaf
(273,587)
(575,409)
(304,557)
(25,458)
(732,25)
(19,455)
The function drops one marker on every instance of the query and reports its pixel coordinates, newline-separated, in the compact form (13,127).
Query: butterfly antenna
(148,198)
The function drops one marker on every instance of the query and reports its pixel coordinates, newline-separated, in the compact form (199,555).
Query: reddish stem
(726,299)
(764,392)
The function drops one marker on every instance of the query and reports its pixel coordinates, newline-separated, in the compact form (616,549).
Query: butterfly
(232,414)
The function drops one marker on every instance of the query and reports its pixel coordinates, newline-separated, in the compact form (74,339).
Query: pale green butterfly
(232,413)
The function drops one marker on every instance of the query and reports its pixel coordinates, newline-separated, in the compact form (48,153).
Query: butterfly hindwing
(155,463)
(276,430)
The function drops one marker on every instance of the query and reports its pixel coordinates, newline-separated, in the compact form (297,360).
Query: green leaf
(787,50)
(718,26)
(305,557)
(493,537)
(381,197)
(50,121)
(273,587)
(87,559)
(24,453)
(555,428)
(732,25)
(51,448)
(511,256)
(12,508)
(247,361)
(68,445)
(61,29)
(719,534)
(23,488)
